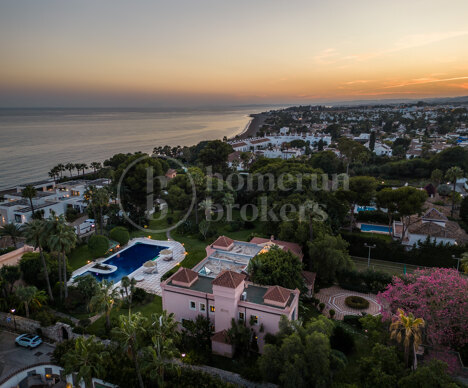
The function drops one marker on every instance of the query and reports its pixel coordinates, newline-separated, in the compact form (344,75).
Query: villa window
(212,309)
(202,307)
(253,320)
(241,316)
(193,305)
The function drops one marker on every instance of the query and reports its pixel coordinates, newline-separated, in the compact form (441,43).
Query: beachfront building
(50,198)
(218,288)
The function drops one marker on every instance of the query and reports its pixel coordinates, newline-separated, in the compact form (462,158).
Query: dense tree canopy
(276,267)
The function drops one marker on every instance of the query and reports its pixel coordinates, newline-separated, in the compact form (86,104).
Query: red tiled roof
(221,336)
(234,156)
(277,294)
(309,277)
(228,279)
(241,144)
(259,141)
(287,246)
(223,241)
(185,275)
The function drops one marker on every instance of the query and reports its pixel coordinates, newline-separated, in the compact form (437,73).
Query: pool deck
(151,282)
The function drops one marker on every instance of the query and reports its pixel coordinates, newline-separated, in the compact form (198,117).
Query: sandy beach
(253,126)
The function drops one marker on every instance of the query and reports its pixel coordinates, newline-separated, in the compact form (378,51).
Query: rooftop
(229,279)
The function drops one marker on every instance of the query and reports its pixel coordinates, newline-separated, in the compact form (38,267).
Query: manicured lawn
(155,306)
(79,257)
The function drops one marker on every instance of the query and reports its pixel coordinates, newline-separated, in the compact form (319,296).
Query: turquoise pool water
(365,208)
(375,228)
(128,260)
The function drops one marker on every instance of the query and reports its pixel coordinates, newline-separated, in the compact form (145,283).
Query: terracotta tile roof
(221,336)
(434,214)
(259,141)
(223,241)
(228,279)
(277,294)
(241,144)
(287,246)
(184,275)
(309,277)
(234,156)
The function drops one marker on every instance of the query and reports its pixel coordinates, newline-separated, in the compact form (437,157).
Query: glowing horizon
(112,52)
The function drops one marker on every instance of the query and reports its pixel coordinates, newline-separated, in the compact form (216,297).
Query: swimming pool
(375,228)
(128,260)
(365,208)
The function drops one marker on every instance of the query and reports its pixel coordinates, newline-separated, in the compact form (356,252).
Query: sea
(32,141)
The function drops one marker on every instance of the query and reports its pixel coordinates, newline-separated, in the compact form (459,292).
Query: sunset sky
(195,52)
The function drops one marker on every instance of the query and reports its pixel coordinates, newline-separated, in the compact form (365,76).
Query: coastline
(252,127)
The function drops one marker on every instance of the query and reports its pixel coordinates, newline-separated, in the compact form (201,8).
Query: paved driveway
(14,357)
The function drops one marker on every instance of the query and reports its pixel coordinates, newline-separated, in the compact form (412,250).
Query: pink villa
(218,288)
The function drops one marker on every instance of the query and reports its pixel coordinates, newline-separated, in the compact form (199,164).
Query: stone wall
(57,332)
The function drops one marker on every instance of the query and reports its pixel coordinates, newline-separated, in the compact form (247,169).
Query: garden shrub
(353,320)
(6,250)
(98,245)
(65,320)
(141,296)
(376,216)
(365,281)
(342,340)
(45,318)
(120,234)
(85,322)
(79,330)
(356,302)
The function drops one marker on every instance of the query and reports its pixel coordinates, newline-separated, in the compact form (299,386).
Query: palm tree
(29,192)
(128,287)
(70,167)
(105,300)
(62,239)
(128,333)
(407,330)
(97,199)
(228,199)
(60,169)
(164,334)
(95,166)
(13,231)
(53,173)
(86,359)
(452,174)
(207,206)
(30,296)
(35,232)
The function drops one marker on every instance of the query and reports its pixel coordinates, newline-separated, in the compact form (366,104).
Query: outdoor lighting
(88,261)
(145,226)
(149,236)
(69,385)
(12,311)
(183,354)
(48,375)
(185,253)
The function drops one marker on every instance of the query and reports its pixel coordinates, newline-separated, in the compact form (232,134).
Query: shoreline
(252,127)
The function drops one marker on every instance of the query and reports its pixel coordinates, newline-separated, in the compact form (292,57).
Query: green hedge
(365,281)
(98,245)
(427,254)
(120,234)
(356,302)
(376,216)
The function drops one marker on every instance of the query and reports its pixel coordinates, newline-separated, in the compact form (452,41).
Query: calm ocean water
(32,141)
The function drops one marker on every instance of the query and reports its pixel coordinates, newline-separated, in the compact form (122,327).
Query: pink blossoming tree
(439,296)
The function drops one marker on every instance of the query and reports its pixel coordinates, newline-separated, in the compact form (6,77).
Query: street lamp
(14,319)
(458,261)
(368,257)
